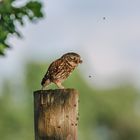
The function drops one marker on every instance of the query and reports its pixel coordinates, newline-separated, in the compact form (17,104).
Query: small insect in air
(60,69)
(104,18)
(89,76)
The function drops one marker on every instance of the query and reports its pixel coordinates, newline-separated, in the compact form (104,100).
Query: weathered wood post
(56,114)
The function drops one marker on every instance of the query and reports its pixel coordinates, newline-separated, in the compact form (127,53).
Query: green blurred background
(108,80)
(104,114)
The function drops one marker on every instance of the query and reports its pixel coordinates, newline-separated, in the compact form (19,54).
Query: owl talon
(44,88)
(61,87)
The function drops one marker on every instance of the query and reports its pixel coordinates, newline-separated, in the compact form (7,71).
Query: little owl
(60,69)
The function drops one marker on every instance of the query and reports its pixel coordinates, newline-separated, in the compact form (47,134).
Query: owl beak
(81,61)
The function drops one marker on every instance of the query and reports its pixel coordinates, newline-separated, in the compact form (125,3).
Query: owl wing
(56,69)
(51,72)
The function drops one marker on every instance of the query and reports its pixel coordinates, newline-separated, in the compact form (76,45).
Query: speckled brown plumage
(60,69)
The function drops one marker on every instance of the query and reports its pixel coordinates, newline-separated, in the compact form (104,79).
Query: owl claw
(62,87)
(44,88)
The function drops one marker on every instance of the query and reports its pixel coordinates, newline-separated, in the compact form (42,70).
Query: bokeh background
(106,34)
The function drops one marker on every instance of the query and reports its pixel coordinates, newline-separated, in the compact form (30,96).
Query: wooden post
(56,114)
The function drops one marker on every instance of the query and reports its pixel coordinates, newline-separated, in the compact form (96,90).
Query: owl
(60,69)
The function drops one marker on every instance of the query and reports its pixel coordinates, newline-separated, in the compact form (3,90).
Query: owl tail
(45,82)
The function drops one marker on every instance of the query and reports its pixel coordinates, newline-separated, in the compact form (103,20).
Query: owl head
(72,58)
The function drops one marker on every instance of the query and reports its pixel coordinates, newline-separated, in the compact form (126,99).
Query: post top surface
(56,90)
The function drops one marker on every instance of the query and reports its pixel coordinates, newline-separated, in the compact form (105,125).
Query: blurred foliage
(11,14)
(111,114)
